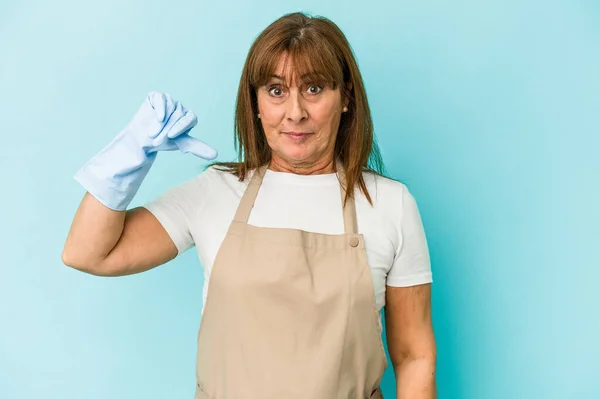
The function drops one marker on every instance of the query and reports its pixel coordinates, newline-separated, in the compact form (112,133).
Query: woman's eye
(317,89)
(274,91)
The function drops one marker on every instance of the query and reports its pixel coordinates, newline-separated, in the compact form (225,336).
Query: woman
(302,241)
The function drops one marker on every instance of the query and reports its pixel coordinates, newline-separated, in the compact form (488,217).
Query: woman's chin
(294,153)
(299,156)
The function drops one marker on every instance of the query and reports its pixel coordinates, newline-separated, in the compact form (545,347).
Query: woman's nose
(295,110)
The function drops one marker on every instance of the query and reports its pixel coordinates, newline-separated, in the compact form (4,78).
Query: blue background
(489,111)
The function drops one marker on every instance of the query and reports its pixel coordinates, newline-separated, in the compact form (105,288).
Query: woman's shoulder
(392,199)
(216,177)
(211,179)
(382,188)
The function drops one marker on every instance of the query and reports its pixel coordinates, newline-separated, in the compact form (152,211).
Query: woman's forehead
(297,68)
(288,71)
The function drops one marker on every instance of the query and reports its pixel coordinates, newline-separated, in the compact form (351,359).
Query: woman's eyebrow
(306,75)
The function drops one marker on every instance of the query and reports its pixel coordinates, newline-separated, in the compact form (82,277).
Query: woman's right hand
(163,124)
(115,174)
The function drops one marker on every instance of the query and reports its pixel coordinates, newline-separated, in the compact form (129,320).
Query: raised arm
(105,238)
(105,242)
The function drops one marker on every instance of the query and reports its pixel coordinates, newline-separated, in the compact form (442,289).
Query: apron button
(354,242)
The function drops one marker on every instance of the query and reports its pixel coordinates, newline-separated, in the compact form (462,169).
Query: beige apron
(289,314)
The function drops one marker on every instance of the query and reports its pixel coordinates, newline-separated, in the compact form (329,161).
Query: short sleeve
(412,265)
(173,211)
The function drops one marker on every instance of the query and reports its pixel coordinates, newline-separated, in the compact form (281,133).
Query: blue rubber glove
(115,174)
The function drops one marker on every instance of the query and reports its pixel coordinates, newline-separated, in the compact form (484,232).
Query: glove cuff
(114,175)
(105,191)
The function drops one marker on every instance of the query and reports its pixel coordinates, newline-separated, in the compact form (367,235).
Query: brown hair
(320,50)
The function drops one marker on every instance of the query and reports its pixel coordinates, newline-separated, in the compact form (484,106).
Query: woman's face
(300,123)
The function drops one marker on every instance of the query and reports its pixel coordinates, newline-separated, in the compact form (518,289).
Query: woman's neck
(323,166)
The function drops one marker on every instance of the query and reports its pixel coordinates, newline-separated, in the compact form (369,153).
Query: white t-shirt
(199,211)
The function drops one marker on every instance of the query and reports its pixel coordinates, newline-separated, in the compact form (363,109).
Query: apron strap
(350,224)
(247,202)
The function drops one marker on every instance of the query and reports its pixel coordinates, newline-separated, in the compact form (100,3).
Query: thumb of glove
(187,143)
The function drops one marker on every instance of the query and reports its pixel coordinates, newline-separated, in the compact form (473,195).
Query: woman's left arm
(411,341)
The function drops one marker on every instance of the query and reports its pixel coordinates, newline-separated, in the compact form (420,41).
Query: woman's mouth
(297,135)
